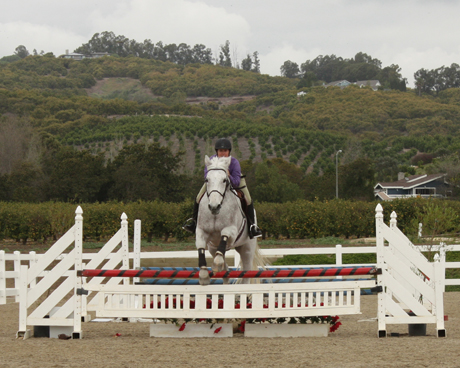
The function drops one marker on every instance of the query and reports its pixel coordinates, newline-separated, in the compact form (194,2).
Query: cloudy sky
(411,33)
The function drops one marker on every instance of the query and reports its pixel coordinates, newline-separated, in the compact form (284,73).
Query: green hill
(105,104)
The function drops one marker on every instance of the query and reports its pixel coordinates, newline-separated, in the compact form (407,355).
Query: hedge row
(300,219)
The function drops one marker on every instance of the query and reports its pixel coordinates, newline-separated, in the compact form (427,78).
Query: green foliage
(325,259)
(314,259)
(300,219)
(148,173)
(379,132)
(436,219)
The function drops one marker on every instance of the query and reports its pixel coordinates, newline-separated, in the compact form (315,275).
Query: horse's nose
(215,209)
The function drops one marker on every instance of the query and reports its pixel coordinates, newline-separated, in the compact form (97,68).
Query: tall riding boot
(190,224)
(254,231)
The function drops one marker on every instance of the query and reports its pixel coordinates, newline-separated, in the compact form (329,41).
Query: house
(301,93)
(374,84)
(96,55)
(412,186)
(340,83)
(76,56)
(72,55)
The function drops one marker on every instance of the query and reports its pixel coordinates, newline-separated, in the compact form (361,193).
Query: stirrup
(255,231)
(190,225)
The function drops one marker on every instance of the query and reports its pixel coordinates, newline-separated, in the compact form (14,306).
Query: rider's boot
(254,231)
(190,224)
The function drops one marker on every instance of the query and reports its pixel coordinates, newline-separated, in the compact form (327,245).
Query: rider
(223,148)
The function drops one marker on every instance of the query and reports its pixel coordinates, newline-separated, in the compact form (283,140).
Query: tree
(319,187)
(146,173)
(71,175)
(10,59)
(326,68)
(224,55)
(201,54)
(246,64)
(21,51)
(386,168)
(290,69)
(309,79)
(273,186)
(390,77)
(356,180)
(24,183)
(17,142)
(424,81)
(256,62)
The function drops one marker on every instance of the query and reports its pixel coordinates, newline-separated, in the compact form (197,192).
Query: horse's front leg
(204,278)
(219,259)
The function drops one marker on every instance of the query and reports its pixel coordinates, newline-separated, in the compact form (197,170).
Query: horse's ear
(227,160)
(207,161)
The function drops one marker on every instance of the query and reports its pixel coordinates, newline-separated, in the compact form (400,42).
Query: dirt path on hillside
(354,345)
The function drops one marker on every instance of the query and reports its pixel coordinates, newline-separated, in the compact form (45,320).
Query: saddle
(239,193)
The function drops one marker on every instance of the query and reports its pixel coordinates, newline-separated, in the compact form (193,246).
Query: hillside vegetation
(101,106)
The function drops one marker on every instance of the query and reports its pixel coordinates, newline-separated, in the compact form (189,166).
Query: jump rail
(278,273)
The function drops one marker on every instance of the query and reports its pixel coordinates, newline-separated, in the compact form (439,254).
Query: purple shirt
(234,169)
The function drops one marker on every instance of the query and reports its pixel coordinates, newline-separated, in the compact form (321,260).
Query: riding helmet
(223,143)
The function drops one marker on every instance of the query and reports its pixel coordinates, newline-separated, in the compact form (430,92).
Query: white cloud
(413,34)
(175,21)
(272,61)
(34,36)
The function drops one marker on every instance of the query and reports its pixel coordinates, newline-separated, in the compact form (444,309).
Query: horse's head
(217,181)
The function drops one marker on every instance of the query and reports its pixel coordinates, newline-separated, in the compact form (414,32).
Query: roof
(383,196)
(340,83)
(373,83)
(411,181)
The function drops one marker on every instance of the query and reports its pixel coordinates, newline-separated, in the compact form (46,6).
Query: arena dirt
(354,344)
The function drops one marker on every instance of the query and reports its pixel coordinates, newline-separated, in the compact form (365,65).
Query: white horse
(221,223)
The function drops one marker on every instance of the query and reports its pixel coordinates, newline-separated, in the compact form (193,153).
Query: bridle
(227,183)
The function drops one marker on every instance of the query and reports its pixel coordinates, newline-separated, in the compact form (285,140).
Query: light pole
(337,174)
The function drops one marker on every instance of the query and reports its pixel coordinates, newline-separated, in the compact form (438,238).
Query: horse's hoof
(204,277)
(218,267)
(218,264)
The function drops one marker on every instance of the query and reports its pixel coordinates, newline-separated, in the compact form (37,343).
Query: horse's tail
(259,261)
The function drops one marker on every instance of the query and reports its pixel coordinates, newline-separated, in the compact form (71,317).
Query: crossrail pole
(279,273)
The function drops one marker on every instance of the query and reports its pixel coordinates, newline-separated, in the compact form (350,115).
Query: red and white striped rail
(278,273)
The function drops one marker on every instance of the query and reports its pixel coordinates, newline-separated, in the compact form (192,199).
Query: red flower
(335,326)
(241,327)
(217,330)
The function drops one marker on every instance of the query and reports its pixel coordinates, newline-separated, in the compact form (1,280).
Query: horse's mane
(218,163)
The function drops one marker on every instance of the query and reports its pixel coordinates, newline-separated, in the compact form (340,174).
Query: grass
(158,245)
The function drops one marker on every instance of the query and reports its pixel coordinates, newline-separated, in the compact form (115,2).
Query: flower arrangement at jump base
(333,321)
